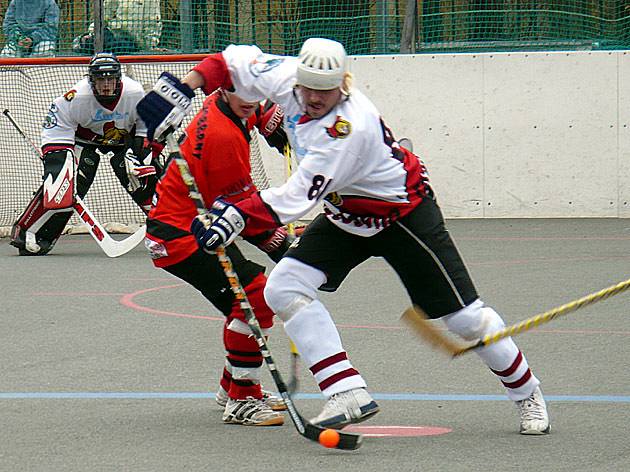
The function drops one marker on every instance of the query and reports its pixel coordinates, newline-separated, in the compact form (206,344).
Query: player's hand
(270,126)
(273,242)
(219,227)
(25,42)
(164,108)
(138,170)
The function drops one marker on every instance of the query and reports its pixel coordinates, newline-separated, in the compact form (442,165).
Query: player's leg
(423,254)
(324,255)
(36,231)
(240,383)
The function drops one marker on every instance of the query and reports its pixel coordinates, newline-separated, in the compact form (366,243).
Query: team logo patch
(69,95)
(51,117)
(334,198)
(340,129)
(257,67)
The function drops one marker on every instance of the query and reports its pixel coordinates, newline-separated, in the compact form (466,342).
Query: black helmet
(105,64)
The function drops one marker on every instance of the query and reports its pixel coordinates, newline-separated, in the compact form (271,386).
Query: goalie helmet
(321,64)
(102,65)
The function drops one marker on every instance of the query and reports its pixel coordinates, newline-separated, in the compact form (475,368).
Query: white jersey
(77,116)
(347,158)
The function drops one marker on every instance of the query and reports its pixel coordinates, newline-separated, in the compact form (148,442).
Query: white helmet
(321,64)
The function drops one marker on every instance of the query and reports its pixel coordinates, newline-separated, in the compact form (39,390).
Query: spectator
(130,26)
(30,28)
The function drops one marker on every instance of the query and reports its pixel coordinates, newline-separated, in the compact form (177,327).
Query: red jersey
(216,149)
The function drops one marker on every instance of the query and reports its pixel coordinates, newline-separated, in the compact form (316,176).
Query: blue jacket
(37,19)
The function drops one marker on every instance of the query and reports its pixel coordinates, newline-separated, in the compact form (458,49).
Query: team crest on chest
(340,129)
(69,95)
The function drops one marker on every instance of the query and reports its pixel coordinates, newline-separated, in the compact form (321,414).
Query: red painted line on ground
(397,431)
(76,294)
(128,301)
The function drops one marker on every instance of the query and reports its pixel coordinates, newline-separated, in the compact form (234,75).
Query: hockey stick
(309,431)
(110,246)
(418,321)
(295,355)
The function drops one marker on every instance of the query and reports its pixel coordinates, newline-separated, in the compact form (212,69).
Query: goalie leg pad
(58,179)
(38,228)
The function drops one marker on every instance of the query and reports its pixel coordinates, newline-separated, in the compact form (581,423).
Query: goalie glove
(138,170)
(219,227)
(164,108)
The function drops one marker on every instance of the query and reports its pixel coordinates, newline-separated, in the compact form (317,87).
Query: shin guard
(503,358)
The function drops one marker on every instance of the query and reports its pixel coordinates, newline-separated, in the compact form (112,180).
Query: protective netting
(27,91)
(365,27)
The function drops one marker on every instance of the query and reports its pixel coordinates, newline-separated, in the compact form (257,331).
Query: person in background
(30,28)
(131,26)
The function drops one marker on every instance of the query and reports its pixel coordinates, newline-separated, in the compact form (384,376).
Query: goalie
(97,115)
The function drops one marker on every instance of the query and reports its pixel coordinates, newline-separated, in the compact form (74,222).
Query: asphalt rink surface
(111,364)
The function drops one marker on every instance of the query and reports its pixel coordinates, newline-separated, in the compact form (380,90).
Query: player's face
(105,86)
(240,107)
(318,103)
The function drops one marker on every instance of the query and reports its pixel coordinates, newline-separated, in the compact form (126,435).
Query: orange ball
(329,438)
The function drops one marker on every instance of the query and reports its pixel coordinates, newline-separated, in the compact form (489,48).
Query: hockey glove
(219,227)
(270,125)
(274,242)
(164,108)
(138,170)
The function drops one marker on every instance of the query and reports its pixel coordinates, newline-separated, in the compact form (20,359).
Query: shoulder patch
(340,129)
(257,67)
(69,95)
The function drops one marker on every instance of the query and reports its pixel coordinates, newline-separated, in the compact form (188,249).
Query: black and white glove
(164,108)
(219,227)
(138,170)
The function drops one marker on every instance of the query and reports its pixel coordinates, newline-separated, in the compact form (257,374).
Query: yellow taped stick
(420,323)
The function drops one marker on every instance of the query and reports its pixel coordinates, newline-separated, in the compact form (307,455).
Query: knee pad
(254,292)
(474,321)
(292,285)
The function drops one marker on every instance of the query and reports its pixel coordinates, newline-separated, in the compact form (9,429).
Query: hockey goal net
(27,90)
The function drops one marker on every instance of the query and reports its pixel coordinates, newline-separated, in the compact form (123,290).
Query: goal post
(28,87)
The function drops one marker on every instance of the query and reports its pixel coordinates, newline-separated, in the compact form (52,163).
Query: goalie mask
(105,72)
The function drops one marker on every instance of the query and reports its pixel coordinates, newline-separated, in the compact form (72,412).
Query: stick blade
(347,441)
(419,322)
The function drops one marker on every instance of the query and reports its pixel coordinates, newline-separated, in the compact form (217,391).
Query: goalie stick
(417,319)
(348,441)
(110,246)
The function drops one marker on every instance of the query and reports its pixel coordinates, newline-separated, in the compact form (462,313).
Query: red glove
(270,125)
